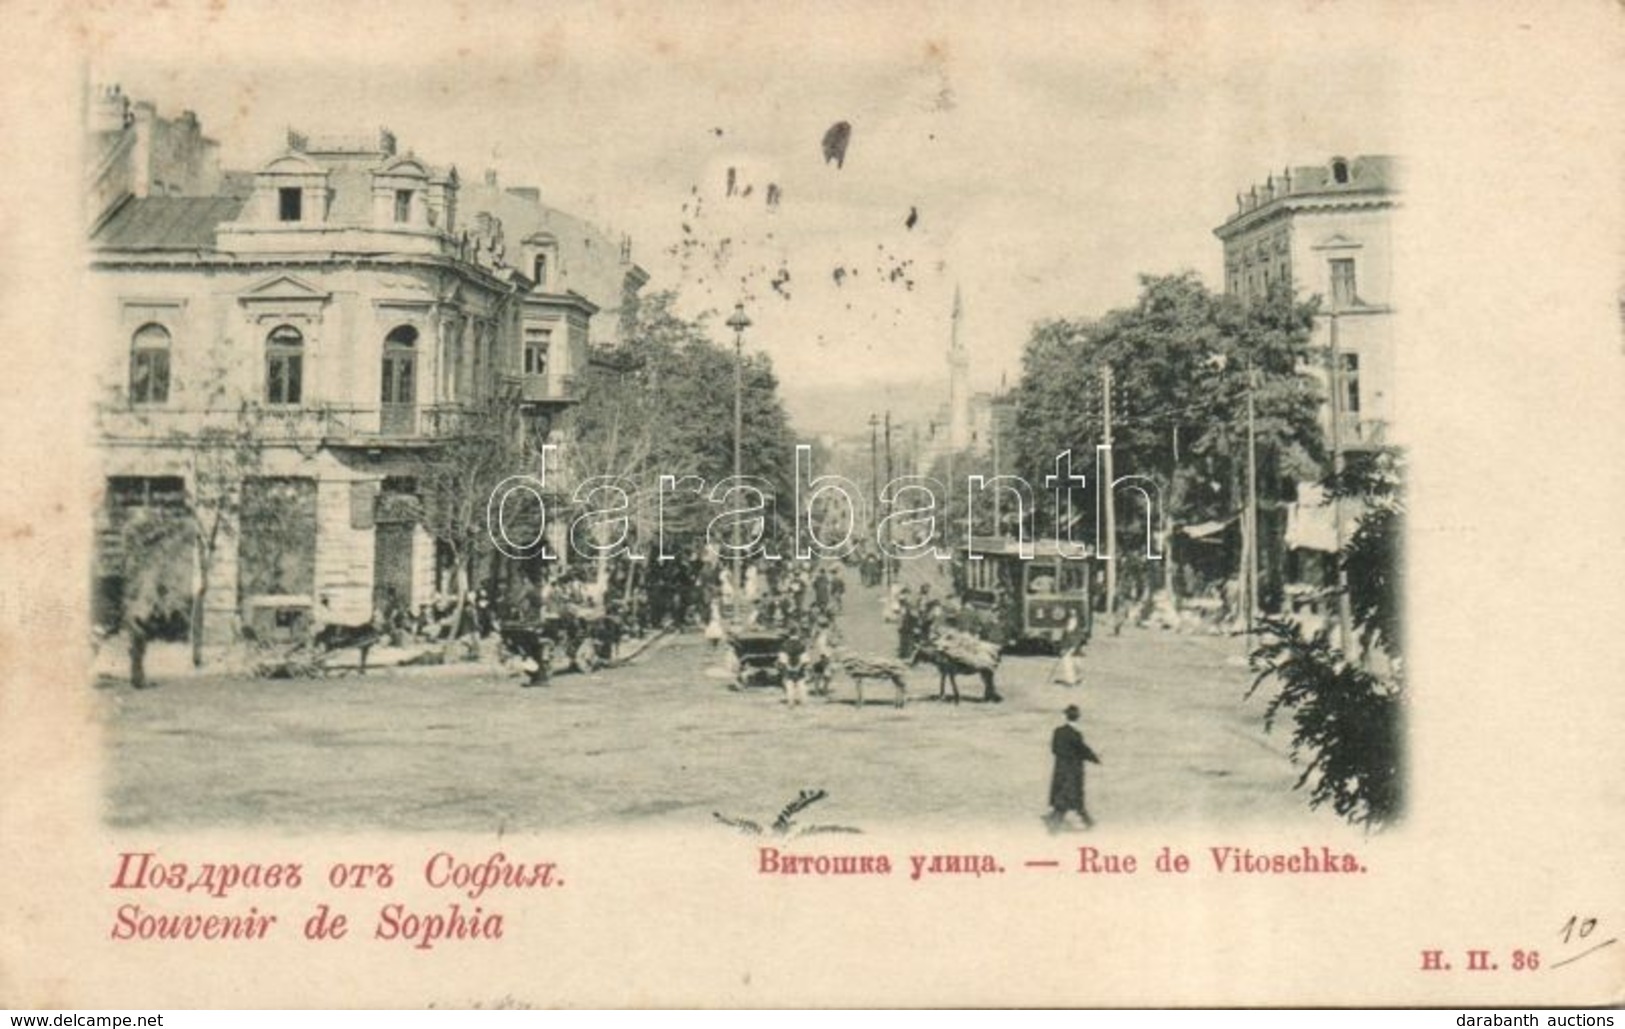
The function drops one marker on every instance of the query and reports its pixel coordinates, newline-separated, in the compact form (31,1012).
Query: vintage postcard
(720,505)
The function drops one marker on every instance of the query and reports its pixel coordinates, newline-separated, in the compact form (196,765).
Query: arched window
(284,365)
(149,365)
(400,360)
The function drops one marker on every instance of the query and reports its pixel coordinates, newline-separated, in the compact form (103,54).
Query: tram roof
(1003,546)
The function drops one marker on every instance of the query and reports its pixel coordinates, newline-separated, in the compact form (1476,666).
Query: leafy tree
(153,544)
(1348,710)
(1182,362)
(215,452)
(491,442)
(662,404)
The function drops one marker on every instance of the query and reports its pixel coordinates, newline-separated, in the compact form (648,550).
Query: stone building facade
(1327,231)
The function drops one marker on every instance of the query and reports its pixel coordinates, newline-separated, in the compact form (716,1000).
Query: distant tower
(958,384)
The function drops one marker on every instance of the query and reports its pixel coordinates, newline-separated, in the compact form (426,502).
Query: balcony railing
(541,389)
(316,424)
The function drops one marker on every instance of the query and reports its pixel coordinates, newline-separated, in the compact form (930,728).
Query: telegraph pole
(739,323)
(1251,542)
(887,563)
(874,477)
(998,520)
(1105,487)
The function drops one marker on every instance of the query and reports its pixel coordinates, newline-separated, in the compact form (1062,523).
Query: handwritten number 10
(1574,928)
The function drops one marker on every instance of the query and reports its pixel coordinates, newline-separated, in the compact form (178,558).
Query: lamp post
(874,479)
(1345,616)
(739,323)
(1249,514)
(887,525)
(1252,502)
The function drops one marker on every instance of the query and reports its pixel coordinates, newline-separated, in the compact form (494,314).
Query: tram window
(1041,580)
(1074,575)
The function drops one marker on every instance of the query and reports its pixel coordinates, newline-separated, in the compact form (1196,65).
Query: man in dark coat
(1066,784)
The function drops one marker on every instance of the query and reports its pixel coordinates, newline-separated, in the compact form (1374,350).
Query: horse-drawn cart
(756,657)
(587,638)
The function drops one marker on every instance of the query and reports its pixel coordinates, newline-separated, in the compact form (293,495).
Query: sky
(1048,156)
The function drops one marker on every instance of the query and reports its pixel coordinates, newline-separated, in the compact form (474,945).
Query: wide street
(664,741)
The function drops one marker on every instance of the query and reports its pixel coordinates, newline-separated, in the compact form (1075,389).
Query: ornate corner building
(337,315)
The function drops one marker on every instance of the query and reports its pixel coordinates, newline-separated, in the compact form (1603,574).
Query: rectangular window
(1343,294)
(540,268)
(290,203)
(149,377)
(1074,575)
(282,375)
(403,206)
(537,343)
(126,492)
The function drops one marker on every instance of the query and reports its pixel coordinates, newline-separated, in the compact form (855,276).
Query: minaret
(958,384)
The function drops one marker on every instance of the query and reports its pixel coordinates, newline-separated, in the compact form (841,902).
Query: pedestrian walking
(1072,639)
(1066,782)
(713,627)
(793,666)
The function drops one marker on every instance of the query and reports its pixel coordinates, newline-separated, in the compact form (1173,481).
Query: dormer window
(290,204)
(403,206)
(1340,171)
(539,269)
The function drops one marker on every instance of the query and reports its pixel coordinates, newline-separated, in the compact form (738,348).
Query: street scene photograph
(817,443)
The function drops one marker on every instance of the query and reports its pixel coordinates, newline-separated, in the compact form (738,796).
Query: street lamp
(874,476)
(1249,518)
(887,525)
(1345,617)
(739,323)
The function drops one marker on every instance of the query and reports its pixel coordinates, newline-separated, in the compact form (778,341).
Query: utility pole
(739,323)
(1345,616)
(887,563)
(1105,487)
(998,520)
(874,477)
(1250,544)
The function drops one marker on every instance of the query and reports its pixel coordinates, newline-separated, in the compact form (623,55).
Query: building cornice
(1283,207)
(112,260)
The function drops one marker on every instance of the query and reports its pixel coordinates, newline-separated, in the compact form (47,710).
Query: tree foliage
(154,547)
(1182,361)
(492,441)
(215,454)
(662,404)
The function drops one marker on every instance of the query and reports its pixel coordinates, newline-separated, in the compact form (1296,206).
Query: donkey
(948,667)
(859,669)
